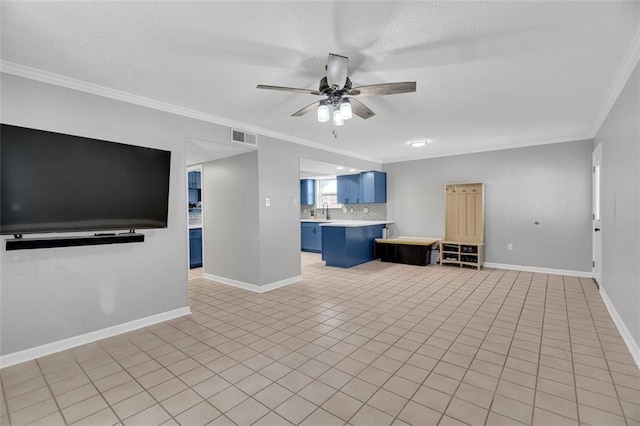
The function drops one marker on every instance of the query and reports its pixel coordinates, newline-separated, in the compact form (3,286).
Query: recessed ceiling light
(417,143)
(353,170)
(339,167)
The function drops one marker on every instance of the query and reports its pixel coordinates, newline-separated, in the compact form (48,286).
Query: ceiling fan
(339,94)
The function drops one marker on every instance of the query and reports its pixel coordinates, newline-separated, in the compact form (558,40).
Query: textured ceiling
(489,75)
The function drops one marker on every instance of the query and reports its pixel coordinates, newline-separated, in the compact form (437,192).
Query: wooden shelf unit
(460,253)
(463,242)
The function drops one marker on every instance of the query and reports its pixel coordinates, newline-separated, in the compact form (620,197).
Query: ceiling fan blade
(337,70)
(288,89)
(305,110)
(360,109)
(383,89)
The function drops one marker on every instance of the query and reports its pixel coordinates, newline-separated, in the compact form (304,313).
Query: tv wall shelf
(85,240)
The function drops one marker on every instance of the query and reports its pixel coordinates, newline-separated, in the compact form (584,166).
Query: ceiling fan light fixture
(337,117)
(417,143)
(345,109)
(323,112)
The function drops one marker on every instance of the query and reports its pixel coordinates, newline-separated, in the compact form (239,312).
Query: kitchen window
(327,192)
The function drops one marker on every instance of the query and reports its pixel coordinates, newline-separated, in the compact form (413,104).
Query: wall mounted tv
(52,182)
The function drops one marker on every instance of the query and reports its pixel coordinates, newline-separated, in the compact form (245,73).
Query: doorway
(596,188)
(195,209)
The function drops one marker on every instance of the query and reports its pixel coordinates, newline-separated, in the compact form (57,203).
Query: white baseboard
(583,274)
(72,342)
(253,287)
(622,328)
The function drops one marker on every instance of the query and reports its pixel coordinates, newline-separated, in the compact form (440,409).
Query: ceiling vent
(244,138)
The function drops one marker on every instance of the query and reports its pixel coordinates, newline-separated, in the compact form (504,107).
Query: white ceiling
(198,151)
(489,75)
(312,168)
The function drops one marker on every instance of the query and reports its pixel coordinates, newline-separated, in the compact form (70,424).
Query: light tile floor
(377,344)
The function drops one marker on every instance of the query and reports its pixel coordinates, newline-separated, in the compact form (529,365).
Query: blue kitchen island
(349,243)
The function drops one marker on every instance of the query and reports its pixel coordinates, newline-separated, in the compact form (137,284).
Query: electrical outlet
(295,202)
(344,210)
(509,246)
(365,210)
(267,202)
(351,210)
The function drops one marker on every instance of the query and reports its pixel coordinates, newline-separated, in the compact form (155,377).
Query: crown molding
(94,89)
(628,65)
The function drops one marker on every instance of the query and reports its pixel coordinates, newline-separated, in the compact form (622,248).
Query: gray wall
(52,294)
(244,240)
(550,184)
(231,232)
(620,138)
(279,169)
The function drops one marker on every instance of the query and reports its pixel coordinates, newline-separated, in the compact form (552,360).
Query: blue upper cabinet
(374,187)
(349,189)
(194,180)
(363,188)
(307,192)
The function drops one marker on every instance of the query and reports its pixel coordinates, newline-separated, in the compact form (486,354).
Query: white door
(597,203)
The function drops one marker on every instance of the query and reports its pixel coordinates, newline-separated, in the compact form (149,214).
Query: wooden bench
(406,250)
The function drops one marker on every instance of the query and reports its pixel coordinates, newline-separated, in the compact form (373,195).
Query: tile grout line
(425,379)
(506,356)
(606,360)
(381,354)
(570,340)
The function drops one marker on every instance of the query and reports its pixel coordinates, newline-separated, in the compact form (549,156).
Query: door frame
(596,213)
(195,168)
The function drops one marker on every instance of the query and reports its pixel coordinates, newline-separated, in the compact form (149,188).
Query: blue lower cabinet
(345,246)
(311,237)
(195,248)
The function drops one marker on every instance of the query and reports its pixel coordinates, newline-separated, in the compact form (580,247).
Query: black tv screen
(52,182)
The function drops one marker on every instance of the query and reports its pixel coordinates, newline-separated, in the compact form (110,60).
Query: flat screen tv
(52,182)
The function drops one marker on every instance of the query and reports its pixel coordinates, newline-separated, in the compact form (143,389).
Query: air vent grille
(244,138)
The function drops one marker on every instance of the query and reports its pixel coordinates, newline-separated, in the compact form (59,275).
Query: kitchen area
(194,190)
(341,214)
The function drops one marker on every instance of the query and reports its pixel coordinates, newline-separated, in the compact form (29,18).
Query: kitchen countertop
(355,223)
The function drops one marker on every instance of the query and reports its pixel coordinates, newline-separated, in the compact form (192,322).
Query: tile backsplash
(195,217)
(375,212)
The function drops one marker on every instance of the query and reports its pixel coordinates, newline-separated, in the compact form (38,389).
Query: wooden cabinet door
(464,212)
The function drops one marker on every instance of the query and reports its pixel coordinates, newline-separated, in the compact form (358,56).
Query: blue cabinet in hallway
(194,180)
(195,247)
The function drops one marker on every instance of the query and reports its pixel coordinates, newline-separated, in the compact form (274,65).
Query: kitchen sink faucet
(323,212)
